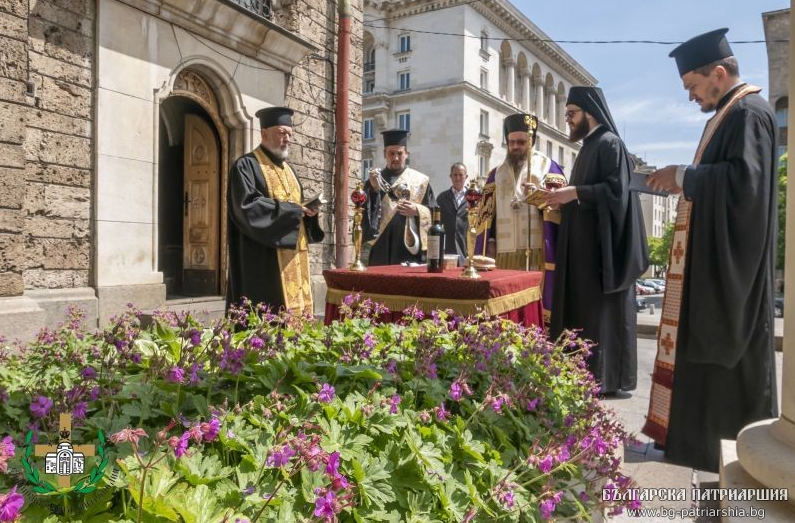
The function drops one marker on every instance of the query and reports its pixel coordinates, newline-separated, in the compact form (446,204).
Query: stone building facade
(453,91)
(118,122)
(776,24)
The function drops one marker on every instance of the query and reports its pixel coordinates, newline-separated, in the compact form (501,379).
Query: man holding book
(269,229)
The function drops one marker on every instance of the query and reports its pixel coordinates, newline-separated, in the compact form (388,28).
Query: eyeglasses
(570,114)
(517,142)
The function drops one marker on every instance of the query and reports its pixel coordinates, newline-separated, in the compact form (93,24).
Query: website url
(697,512)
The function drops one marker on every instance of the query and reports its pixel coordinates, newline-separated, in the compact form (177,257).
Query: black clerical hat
(520,122)
(592,101)
(701,50)
(395,137)
(271,116)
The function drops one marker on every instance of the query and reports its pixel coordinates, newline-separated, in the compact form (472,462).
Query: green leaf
(374,482)
(202,470)
(198,505)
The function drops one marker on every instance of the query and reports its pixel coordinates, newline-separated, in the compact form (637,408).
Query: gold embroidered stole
(418,185)
(293,263)
(658,417)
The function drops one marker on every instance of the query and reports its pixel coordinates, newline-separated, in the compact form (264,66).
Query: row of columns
(547,104)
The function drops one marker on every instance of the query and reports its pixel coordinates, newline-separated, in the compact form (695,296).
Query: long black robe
(257,226)
(724,373)
(601,251)
(456,222)
(389,248)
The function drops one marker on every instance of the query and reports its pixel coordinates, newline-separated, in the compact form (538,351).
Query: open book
(314,202)
(637,182)
(537,197)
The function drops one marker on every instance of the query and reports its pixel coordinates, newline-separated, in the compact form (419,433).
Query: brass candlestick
(472,196)
(358,197)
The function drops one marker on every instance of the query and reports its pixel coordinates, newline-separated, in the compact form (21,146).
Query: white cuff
(680,175)
(412,228)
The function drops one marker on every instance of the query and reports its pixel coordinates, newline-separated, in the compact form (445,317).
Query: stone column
(561,119)
(525,89)
(539,87)
(553,109)
(766,449)
(510,79)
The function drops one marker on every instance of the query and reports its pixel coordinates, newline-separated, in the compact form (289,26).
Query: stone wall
(46,133)
(311,93)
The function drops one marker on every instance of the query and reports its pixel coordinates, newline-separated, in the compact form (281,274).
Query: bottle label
(433,247)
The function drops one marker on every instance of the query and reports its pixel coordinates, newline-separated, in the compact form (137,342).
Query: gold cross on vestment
(678,252)
(667,344)
(64,436)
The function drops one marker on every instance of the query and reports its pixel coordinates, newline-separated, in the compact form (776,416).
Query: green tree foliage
(660,248)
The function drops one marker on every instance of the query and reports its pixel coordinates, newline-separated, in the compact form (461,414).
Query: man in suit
(454,213)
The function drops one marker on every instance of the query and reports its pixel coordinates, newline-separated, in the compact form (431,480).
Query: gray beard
(279,153)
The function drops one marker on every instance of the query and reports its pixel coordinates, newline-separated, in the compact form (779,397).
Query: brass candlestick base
(358,197)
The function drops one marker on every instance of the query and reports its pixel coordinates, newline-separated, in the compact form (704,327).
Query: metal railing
(258,7)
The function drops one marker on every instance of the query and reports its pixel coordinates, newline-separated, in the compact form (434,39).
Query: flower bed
(276,418)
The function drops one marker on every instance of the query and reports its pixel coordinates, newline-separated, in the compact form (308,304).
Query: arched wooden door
(201,208)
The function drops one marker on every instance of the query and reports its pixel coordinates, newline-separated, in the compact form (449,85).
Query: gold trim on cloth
(293,263)
(418,186)
(493,306)
(668,332)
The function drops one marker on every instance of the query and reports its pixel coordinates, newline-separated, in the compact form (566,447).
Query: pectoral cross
(64,436)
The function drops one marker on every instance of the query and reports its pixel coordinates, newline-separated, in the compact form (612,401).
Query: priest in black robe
(397,216)
(268,227)
(719,335)
(455,215)
(601,244)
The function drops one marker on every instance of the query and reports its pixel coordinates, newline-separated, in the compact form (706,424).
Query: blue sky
(640,82)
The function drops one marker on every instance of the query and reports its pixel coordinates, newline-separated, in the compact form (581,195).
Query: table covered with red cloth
(515,295)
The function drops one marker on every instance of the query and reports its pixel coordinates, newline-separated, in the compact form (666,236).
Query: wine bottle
(436,243)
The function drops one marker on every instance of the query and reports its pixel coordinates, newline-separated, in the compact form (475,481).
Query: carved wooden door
(201,209)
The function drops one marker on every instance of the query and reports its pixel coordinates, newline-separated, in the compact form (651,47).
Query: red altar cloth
(515,295)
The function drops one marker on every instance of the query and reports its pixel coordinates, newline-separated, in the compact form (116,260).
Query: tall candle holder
(358,197)
(473,196)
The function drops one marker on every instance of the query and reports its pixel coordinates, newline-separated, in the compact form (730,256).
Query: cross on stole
(64,436)
(678,252)
(667,343)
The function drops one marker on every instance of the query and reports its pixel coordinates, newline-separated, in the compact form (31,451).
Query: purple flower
(455,391)
(6,452)
(88,373)
(547,508)
(393,404)
(10,505)
(280,458)
(333,464)
(326,394)
(257,343)
(211,429)
(324,506)
(195,337)
(175,375)
(545,465)
(506,498)
(41,407)
(531,405)
(194,373)
(94,394)
(441,413)
(391,366)
(369,341)
(79,410)
(182,445)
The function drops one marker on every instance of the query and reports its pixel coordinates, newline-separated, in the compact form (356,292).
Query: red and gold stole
(658,417)
(293,263)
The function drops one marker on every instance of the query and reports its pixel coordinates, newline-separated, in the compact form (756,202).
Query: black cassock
(257,226)
(389,248)
(724,374)
(455,223)
(601,251)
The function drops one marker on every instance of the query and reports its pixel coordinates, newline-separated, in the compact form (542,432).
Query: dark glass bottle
(436,243)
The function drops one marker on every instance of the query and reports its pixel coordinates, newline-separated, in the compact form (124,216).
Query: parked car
(644,289)
(778,305)
(659,282)
(651,283)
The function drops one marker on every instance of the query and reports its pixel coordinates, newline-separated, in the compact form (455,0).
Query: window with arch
(484,40)
(369,62)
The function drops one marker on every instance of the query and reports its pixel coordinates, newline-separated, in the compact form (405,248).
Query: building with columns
(452,91)
(120,120)
(776,24)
